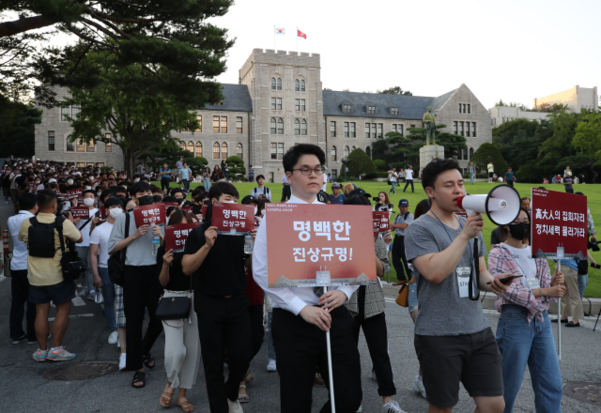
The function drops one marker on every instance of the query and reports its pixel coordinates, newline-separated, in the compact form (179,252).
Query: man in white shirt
(261,191)
(18,267)
(300,316)
(409,178)
(83,248)
(324,187)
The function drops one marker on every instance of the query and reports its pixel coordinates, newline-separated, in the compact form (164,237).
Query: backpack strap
(58,224)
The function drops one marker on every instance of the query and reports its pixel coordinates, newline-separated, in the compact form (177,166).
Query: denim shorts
(412,297)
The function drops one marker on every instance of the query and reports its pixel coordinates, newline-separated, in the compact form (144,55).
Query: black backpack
(41,237)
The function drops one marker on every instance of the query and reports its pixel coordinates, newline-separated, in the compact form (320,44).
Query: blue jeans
(270,348)
(582,284)
(412,297)
(393,183)
(472,178)
(207,184)
(521,343)
(108,293)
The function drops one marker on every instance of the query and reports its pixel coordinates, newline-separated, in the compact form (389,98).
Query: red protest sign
(80,212)
(381,221)
(233,218)
(176,235)
(204,209)
(167,204)
(149,215)
(558,220)
(75,194)
(103,212)
(304,239)
(189,210)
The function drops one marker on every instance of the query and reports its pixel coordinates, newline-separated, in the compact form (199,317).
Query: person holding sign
(83,248)
(453,339)
(300,315)
(524,331)
(400,224)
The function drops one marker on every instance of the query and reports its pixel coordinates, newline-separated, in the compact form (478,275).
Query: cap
(358,191)
(52,181)
(403,203)
(336,185)
(248,199)
(321,197)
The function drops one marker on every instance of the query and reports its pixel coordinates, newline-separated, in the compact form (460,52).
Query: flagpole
(297,41)
(274,37)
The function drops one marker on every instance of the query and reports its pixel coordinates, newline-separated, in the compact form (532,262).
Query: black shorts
(58,293)
(490,174)
(472,359)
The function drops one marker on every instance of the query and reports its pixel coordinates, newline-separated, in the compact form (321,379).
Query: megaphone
(501,205)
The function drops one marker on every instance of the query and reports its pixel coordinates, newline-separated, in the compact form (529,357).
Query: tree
(396,90)
(380,164)
(170,154)
(588,138)
(452,144)
(360,163)
(548,107)
(504,135)
(235,167)
(512,105)
(17,128)
(487,153)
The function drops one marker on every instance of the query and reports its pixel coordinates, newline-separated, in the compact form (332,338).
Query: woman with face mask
(524,331)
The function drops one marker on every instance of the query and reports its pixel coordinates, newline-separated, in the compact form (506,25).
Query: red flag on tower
(301,34)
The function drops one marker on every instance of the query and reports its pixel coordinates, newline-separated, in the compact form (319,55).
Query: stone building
(280,102)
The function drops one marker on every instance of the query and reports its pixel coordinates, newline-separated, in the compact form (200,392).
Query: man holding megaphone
(453,339)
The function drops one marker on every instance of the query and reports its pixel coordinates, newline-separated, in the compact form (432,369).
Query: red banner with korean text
(103,212)
(80,212)
(167,204)
(149,215)
(381,221)
(176,235)
(204,209)
(189,210)
(304,239)
(558,220)
(233,218)
(75,195)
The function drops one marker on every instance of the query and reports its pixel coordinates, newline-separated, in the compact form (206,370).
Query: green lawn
(593,193)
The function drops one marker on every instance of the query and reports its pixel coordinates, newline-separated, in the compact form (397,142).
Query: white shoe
(360,409)
(118,344)
(392,407)
(271,366)
(122,361)
(418,386)
(234,406)
(373,375)
(114,338)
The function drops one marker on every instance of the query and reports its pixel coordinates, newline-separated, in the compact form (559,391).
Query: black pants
(399,260)
(510,183)
(19,289)
(257,331)
(186,183)
(165,183)
(409,181)
(223,323)
(286,193)
(376,335)
(141,290)
(301,346)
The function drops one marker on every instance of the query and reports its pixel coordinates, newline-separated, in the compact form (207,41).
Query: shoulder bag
(175,308)
(403,297)
(72,265)
(116,262)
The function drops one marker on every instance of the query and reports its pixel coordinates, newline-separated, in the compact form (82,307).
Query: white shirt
(292,299)
(14,178)
(100,236)
(522,258)
(19,261)
(266,192)
(86,231)
(324,187)
(409,173)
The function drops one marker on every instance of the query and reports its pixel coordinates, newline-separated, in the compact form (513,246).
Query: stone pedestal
(427,152)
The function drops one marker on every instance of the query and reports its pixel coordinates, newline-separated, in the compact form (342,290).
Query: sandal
(167,396)
(243,397)
(147,360)
(248,378)
(186,407)
(139,377)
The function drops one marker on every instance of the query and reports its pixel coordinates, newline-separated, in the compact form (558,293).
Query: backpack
(41,237)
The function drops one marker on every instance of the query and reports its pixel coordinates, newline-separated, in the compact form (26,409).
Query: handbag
(403,297)
(175,308)
(72,265)
(7,260)
(116,263)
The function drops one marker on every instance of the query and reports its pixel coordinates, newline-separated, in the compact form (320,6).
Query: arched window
(297,127)
(273,126)
(216,150)
(273,83)
(302,86)
(224,150)
(368,151)
(239,151)
(198,149)
(471,152)
(296,85)
(280,126)
(182,146)
(303,127)
(333,154)
(191,147)
(353,148)
(347,151)
(279,84)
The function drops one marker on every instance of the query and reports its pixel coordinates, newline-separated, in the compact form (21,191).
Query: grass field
(593,193)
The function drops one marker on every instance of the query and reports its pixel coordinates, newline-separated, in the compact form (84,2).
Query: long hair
(386,200)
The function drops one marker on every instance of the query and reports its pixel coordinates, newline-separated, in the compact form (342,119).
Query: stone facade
(576,98)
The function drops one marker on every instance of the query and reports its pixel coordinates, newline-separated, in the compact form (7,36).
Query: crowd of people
(431,251)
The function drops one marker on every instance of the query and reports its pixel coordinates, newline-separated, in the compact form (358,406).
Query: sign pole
(322,279)
(559,257)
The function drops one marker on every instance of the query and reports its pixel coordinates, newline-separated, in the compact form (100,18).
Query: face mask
(256,209)
(137,180)
(519,231)
(37,182)
(88,187)
(70,181)
(157,198)
(115,212)
(88,202)
(53,185)
(98,194)
(145,200)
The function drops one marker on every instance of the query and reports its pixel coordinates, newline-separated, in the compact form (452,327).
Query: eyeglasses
(307,171)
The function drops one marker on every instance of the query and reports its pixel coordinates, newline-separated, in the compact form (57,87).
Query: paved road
(24,389)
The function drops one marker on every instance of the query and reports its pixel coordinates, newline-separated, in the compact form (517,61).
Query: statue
(430,124)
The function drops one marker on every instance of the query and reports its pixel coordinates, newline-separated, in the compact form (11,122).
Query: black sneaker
(562,321)
(19,340)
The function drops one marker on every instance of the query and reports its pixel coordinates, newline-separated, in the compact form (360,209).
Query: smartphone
(508,280)
(597,266)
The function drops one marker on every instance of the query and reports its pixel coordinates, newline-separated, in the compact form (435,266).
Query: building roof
(236,98)
(410,107)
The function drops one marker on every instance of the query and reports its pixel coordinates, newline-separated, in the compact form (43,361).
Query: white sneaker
(122,361)
(418,386)
(114,338)
(373,375)
(234,406)
(271,366)
(118,344)
(392,407)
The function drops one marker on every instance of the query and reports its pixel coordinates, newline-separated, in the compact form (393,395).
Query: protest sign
(75,194)
(80,212)
(381,221)
(233,219)
(204,209)
(176,235)
(189,210)
(149,215)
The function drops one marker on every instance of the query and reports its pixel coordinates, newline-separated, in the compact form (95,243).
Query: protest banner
(204,209)
(80,212)
(176,235)
(381,220)
(233,219)
(306,239)
(103,212)
(189,210)
(167,204)
(149,215)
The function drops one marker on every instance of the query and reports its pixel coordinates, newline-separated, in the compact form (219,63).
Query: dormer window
(394,111)
(371,109)
(347,108)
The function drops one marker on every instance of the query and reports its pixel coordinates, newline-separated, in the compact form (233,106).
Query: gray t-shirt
(400,220)
(441,310)
(139,252)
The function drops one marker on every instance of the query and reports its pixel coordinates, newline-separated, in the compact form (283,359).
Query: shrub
(360,163)
(380,164)
(486,153)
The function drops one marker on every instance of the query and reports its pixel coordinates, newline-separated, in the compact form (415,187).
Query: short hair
(27,201)
(155,189)
(170,198)
(88,191)
(260,177)
(435,168)
(294,153)
(46,198)
(176,190)
(106,193)
(112,202)
(220,188)
(139,187)
(525,198)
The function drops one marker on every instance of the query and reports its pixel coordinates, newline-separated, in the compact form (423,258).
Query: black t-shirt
(222,271)
(178,281)
(197,209)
